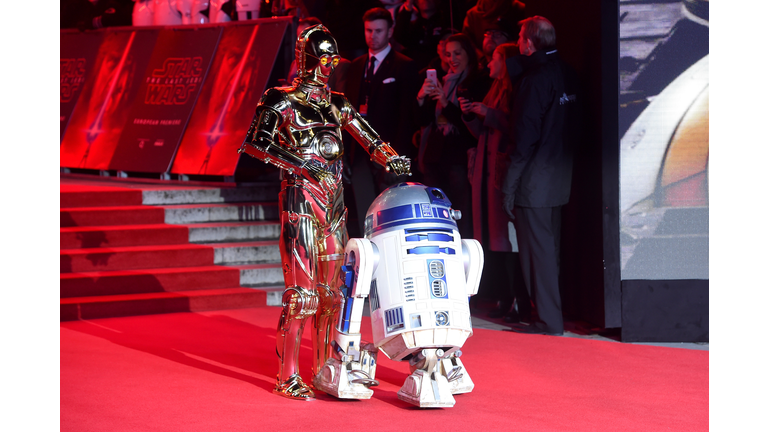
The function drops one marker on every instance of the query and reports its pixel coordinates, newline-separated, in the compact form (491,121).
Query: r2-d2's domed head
(317,55)
(406,205)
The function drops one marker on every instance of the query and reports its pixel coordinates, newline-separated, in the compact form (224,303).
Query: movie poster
(76,59)
(168,91)
(236,81)
(98,120)
(664,127)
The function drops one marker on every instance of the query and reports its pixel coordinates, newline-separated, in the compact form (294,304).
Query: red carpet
(81,195)
(105,216)
(144,280)
(214,371)
(122,235)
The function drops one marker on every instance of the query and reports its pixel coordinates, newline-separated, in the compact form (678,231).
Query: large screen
(664,130)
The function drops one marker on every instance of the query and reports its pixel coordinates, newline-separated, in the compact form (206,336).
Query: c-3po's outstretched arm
(380,152)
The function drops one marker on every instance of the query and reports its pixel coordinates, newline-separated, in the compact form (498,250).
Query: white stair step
(233,231)
(256,252)
(196,213)
(257,192)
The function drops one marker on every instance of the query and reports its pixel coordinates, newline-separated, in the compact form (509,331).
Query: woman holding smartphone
(489,122)
(445,138)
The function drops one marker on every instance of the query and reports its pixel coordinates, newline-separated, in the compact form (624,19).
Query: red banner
(98,120)
(76,59)
(167,94)
(236,80)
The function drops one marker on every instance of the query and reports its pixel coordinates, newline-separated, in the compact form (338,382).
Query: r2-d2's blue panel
(419,296)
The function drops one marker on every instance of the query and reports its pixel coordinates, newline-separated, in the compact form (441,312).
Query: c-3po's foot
(294,388)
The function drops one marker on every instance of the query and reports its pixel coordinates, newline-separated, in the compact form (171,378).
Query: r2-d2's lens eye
(441,318)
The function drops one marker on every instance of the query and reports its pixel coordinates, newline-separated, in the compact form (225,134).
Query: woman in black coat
(445,139)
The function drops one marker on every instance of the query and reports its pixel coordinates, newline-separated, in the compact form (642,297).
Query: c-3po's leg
(350,370)
(329,260)
(329,302)
(300,301)
(298,304)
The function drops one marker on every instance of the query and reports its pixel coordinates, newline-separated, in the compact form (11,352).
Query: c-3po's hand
(399,165)
(385,155)
(321,177)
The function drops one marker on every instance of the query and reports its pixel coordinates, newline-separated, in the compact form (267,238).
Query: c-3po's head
(316,55)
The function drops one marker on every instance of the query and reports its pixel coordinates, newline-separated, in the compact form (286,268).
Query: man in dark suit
(382,85)
(538,181)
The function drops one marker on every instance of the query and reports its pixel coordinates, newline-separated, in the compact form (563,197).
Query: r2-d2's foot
(457,376)
(426,386)
(348,378)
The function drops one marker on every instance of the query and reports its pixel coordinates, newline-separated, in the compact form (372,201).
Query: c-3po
(298,129)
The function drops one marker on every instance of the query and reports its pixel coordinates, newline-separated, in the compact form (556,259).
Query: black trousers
(538,236)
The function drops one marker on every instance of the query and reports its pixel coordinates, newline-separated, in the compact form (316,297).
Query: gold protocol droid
(298,129)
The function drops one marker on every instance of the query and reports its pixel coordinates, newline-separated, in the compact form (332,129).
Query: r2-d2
(418,275)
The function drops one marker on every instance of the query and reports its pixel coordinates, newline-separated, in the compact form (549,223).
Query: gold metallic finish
(301,264)
(298,129)
(294,388)
(334,257)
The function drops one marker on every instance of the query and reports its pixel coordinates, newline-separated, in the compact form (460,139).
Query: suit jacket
(390,100)
(545,131)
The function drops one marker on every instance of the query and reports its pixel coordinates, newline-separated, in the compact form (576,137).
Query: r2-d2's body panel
(419,292)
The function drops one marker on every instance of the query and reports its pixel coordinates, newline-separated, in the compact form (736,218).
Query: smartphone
(432,75)
(463,92)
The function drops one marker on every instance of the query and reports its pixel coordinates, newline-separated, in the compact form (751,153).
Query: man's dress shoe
(535,328)
(497,313)
(512,317)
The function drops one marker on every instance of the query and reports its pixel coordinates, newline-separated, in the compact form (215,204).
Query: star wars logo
(72,75)
(175,82)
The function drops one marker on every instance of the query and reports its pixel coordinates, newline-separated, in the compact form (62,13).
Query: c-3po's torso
(310,128)
(304,123)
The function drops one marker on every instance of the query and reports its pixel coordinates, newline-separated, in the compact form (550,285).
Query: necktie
(365,86)
(371,65)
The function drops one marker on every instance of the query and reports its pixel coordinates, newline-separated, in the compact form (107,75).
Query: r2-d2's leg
(458,378)
(437,375)
(451,367)
(427,386)
(350,370)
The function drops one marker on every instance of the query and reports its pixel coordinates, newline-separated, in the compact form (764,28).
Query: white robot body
(419,294)
(418,275)
(420,289)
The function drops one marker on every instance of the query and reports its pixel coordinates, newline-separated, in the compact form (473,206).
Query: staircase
(131,247)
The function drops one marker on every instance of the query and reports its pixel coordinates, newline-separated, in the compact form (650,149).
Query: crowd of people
(487,114)
(474,93)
